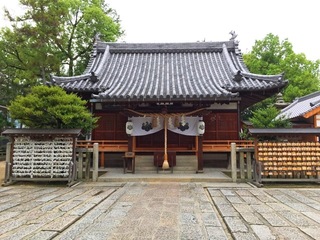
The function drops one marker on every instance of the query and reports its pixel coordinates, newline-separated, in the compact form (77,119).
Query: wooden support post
(80,164)
(95,162)
(200,155)
(241,165)
(130,144)
(129,164)
(87,169)
(249,166)
(8,162)
(233,162)
(101,159)
(259,172)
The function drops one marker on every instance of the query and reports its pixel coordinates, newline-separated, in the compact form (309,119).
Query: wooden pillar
(87,164)
(9,153)
(130,144)
(242,175)
(130,149)
(102,159)
(80,164)
(233,162)
(239,114)
(255,142)
(249,167)
(200,154)
(95,162)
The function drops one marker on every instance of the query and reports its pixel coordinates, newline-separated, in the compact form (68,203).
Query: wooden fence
(245,163)
(86,158)
(242,162)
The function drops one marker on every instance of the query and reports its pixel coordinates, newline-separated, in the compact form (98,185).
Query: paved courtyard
(158,210)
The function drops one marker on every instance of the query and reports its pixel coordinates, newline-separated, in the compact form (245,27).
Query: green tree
(3,121)
(272,56)
(53,37)
(265,118)
(52,107)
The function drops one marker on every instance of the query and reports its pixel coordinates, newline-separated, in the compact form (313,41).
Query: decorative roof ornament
(97,37)
(238,76)
(314,103)
(233,35)
(93,77)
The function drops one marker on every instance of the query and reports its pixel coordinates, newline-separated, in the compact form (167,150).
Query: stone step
(186,163)
(209,175)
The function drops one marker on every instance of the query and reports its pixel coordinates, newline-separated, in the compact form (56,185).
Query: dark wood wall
(219,126)
(111,126)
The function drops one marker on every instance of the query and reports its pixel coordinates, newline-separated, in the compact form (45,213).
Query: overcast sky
(212,20)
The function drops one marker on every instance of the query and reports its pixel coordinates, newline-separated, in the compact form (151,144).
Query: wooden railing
(224,145)
(105,145)
(122,145)
(209,146)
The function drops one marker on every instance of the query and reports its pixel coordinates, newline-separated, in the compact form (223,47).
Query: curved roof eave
(104,98)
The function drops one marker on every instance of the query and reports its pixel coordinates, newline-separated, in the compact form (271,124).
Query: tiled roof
(168,71)
(301,106)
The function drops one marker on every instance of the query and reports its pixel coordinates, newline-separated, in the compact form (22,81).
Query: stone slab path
(163,210)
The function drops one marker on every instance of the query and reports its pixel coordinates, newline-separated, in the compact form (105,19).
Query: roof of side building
(300,107)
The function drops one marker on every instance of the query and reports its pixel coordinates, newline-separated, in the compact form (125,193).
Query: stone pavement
(158,210)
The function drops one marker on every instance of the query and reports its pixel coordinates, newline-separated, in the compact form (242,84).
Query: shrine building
(184,98)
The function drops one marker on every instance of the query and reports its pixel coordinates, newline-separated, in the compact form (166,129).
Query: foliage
(272,56)
(52,37)
(3,122)
(52,107)
(244,134)
(266,118)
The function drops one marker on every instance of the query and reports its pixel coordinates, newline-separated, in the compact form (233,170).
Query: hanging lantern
(129,127)
(201,127)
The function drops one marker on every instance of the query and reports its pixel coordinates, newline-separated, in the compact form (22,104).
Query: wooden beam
(311,113)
